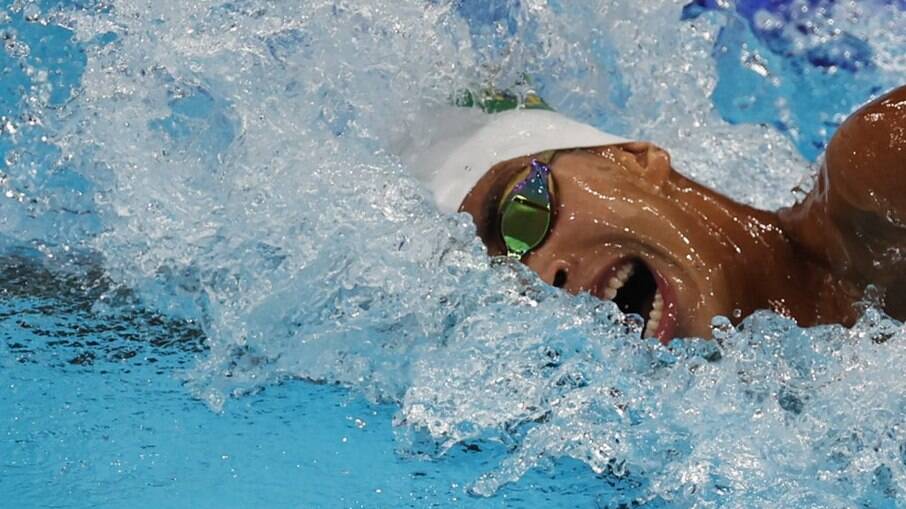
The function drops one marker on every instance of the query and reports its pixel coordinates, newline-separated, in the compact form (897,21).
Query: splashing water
(233,163)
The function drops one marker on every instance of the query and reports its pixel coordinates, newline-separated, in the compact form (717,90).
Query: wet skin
(854,221)
(703,254)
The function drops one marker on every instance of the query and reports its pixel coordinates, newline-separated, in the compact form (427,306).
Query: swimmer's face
(628,228)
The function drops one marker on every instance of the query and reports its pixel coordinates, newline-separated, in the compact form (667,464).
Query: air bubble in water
(32,13)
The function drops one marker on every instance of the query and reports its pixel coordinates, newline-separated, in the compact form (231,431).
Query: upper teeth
(618,280)
(623,273)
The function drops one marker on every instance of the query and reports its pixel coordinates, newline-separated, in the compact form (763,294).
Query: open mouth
(638,290)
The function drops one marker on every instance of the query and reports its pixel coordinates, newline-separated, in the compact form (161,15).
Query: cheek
(487,230)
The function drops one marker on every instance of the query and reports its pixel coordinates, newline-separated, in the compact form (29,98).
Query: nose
(554,273)
(652,162)
(555,265)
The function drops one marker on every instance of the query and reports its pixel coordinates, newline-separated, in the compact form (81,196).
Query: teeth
(657,307)
(618,280)
(658,301)
(654,318)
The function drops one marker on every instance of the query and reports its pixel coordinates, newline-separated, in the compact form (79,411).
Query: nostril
(560,278)
(640,151)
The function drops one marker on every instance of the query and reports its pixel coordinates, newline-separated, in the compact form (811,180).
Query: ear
(651,162)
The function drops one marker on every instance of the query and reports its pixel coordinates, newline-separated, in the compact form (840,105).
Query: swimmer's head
(623,226)
(628,228)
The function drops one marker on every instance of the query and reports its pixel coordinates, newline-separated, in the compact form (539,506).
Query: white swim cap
(450,148)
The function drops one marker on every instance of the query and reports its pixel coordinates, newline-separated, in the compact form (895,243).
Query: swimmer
(592,212)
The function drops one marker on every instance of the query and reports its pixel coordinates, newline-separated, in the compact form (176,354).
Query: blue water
(93,416)
(220,288)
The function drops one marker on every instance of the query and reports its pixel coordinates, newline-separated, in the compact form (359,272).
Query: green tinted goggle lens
(525,216)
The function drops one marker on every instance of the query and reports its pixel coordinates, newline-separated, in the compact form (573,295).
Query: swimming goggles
(526,213)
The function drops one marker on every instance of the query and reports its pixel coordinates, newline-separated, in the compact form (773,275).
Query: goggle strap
(546,157)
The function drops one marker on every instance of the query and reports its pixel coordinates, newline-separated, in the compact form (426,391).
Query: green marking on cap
(491,100)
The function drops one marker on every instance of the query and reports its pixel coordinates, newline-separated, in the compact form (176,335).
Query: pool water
(220,287)
(93,416)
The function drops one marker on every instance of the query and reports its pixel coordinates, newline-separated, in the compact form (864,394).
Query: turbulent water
(233,164)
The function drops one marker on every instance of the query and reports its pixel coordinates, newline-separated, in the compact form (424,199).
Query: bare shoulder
(866,159)
(854,220)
